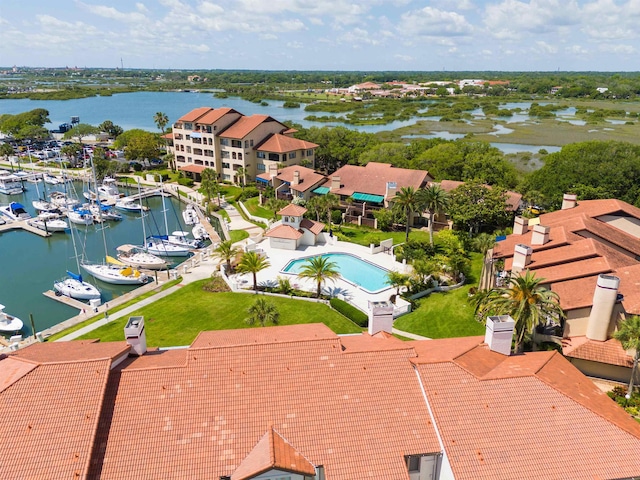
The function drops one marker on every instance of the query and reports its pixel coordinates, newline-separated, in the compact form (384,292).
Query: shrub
(248,192)
(187,182)
(290,105)
(336,217)
(352,313)
(216,284)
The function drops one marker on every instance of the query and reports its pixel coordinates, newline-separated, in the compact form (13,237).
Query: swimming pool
(354,270)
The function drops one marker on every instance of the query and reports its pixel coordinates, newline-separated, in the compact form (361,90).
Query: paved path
(237,222)
(409,335)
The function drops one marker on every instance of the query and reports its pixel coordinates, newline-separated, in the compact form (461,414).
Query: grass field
(258,210)
(446,314)
(362,235)
(178,318)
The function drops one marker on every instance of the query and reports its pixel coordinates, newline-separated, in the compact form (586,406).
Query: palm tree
(227,252)
(483,243)
(161,120)
(397,280)
(525,300)
(252,263)
(209,184)
(319,269)
(241,173)
(629,337)
(433,199)
(407,202)
(329,202)
(262,312)
(314,206)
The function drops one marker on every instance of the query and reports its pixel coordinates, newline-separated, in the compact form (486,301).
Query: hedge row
(352,313)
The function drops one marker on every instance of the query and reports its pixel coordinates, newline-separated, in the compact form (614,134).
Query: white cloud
(358,36)
(295,45)
(113,14)
(544,47)
(576,50)
(618,49)
(431,22)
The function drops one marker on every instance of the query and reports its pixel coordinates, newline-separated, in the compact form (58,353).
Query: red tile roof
(610,351)
(194,114)
(192,168)
(293,210)
(212,116)
(311,225)
(82,350)
(245,125)
(286,232)
(373,178)
(308,177)
(273,452)
(282,144)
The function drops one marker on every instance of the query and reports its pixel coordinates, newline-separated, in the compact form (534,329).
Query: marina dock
(24,225)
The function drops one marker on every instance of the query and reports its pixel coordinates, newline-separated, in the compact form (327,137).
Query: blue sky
(504,35)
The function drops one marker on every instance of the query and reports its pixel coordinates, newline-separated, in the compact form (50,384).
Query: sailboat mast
(144,232)
(164,209)
(95,182)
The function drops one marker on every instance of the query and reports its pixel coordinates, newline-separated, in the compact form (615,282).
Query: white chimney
(540,235)
(569,200)
(335,183)
(391,189)
(520,226)
(135,335)
(380,317)
(521,257)
(604,300)
(273,169)
(296,178)
(499,333)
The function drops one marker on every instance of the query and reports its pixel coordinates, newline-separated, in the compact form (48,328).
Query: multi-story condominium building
(237,147)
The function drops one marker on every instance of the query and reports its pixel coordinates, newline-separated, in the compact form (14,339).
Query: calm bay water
(29,264)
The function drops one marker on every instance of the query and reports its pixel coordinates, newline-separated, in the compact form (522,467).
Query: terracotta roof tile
(368,343)
(265,335)
(445,349)
(505,248)
(357,414)
(293,210)
(273,452)
(245,125)
(630,288)
(282,144)
(194,114)
(308,177)
(213,115)
(50,417)
(486,437)
(610,351)
(78,350)
(373,178)
(284,231)
(568,271)
(192,168)
(311,225)
(12,370)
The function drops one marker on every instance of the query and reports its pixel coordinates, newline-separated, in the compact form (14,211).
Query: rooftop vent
(499,333)
(135,335)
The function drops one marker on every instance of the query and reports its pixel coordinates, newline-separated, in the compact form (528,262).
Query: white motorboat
(75,287)
(9,323)
(139,258)
(80,216)
(105,211)
(158,245)
(128,205)
(44,206)
(199,232)
(15,211)
(180,238)
(190,215)
(52,179)
(50,222)
(115,272)
(108,190)
(10,184)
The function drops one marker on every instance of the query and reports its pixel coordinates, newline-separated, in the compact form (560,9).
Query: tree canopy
(25,125)
(473,206)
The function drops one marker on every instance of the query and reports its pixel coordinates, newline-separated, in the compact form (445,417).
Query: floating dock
(24,225)
(71,302)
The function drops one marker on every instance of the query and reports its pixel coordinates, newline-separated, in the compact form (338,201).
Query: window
(236,143)
(292,155)
(226,177)
(233,155)
(239,156)
(302,153)
(251,142)
(413,464)
(188,149)
(274,157)
(224,154)
(225,165)
(309,153)
(211,141)
(260,155)
(188,126)
(261,167)
(246,144)
(197,151)
(224,141)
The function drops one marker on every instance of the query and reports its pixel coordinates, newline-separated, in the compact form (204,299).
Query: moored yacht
(75,287)
(51,222)
(10,184)
(15,211)
(139,258)
(9,323)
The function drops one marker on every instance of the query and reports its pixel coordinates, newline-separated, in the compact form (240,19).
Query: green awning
(321,190)
(367,197)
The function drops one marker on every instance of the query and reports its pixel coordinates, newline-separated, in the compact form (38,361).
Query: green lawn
(361,235)
(237,235)
(178,318)
(445,315)
(257,210)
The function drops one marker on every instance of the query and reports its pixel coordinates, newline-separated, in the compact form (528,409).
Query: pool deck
(279,258)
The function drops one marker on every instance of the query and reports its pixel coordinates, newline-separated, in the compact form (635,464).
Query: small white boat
(15,211)
(51,222)
(51,179)
(158,245)
(108,190)
(104,211)
(44,206)
(80,216)
(199,232)
(9,323)
(73,286)
(139,258)
(180,238)
(62,201)
(10,184)
(115,272)
(129,205)
(190,215)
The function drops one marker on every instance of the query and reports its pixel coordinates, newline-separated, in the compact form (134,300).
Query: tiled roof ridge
(98,418)
(487,376)
(586,405)
(417,360)
(266,342)
(283,438)
(14,358)
(65,362)
(380,352)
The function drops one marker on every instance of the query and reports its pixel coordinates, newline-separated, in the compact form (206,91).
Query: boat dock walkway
(24,225)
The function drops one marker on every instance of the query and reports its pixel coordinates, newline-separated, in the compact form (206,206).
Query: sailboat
(138,256)
(113,271)
(160,244)
(73,285)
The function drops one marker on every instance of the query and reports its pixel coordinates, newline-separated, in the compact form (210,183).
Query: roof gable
(245,125)
(282,144)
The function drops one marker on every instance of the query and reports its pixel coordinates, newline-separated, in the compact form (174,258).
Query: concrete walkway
(237,222)
(413,336)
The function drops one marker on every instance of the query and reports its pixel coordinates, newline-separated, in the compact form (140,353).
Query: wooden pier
(77,304)
(24,225)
